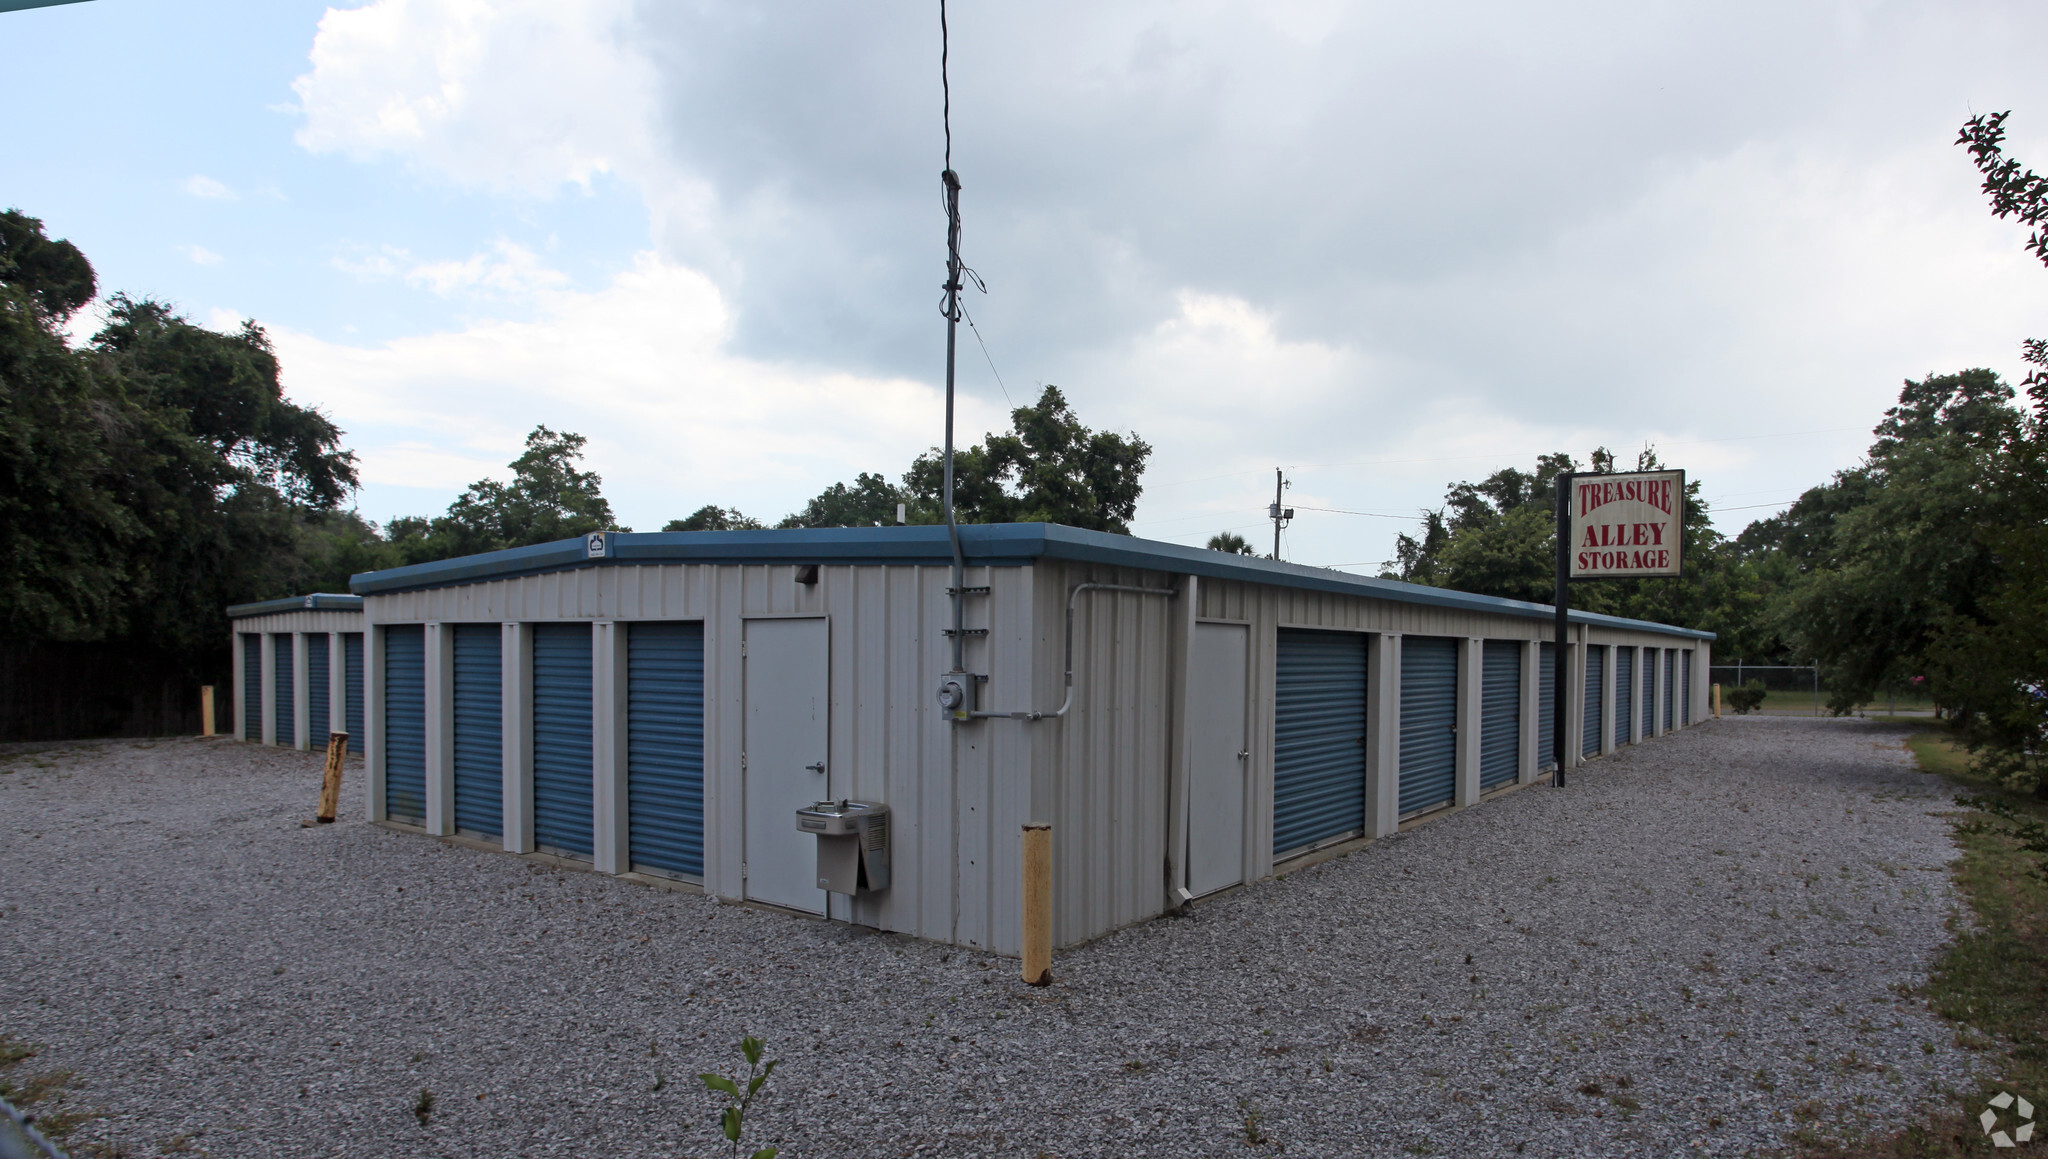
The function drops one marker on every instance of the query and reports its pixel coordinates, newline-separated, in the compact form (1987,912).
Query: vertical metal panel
(665,746)
(1500,713)
(1624,692)
(281,690)
(479,728)
(1685,687)
(1318,737)
(1649,690)
(1429,722)
(319,704)
(352,689)
(252,686)
(1596,688)
(1670,684)
(562,721)
(405,723)
(1546,715)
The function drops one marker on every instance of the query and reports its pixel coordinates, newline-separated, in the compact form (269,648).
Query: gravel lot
(1697,948)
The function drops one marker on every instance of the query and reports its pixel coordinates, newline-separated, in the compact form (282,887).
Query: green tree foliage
(1047,469)
(1231,542)
(868,500)
(548,499)
(153,476)
(710,518)
(1498,537)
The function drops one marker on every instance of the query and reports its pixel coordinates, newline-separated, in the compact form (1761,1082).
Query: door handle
(818,768)
(1244,754)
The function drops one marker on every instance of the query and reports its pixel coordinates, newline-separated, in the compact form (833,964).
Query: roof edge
(317,602)
(985,544)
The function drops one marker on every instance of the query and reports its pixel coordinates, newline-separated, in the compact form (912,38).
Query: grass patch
(1992,982)
(42,1094)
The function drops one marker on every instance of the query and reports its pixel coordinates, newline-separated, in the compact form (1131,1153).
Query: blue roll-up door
(1429,723)
(352,689)
(1649,692)
(1500,714)
(1670,684)
(405,723)
(1624,692)
(252,686)
(281,689)
(1685,687)
(1589,731)
(318,704)
(479,729)
(665,746)
(1546,707)
(1318,737)
(562,717)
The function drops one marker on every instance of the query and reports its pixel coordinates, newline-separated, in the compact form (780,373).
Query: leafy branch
(732,1119)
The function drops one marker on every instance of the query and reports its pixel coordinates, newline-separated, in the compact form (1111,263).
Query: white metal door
(1218,760)
(786,736)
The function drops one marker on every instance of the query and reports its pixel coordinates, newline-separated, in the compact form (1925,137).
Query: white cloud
(199,185)
(493,92)
(200,255)
(641,366)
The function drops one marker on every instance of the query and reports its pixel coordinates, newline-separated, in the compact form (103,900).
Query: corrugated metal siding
(286,732)
(1624,692)
(1546,698)
(1429,723)
(405,723)
(562,721)
(1685,687)
(479,740)
(1650,663)
(1500,713)
(1596,688)
(1670,684)
(665,746)
(352,689)
(1319,737)
(252,686)
(319,705)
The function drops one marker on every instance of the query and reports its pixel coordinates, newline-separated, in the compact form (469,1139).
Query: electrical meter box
(853,844)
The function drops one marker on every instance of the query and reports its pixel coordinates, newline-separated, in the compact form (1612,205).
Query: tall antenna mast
(957,689)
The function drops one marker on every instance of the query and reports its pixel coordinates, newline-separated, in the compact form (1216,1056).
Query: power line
(985,354)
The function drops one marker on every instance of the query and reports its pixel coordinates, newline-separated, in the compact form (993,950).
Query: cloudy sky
(1382,246)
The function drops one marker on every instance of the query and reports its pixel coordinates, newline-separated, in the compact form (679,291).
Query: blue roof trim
(985,544)
(318,602)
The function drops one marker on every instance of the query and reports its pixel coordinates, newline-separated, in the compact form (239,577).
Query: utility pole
(1278,514)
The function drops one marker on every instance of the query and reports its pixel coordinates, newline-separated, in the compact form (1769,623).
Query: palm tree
(1231,542)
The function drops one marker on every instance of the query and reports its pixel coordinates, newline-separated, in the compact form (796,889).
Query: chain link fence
(1797,690)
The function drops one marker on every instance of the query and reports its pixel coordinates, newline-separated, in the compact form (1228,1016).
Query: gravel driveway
(1699,947)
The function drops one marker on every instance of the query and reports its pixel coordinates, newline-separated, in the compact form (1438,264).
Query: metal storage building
(299,670)
(664,703)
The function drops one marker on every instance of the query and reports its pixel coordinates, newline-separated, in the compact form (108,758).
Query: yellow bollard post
(206,710)
(1717,702)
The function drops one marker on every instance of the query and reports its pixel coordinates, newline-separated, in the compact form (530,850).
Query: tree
(869,500)
(1231,542)
(709,518)
(53,274)
(1048,469)
(548,499)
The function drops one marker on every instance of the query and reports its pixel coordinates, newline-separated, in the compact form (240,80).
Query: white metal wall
(957,796)
(1104,776)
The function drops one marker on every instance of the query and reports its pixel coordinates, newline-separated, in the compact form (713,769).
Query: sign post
(1609,527)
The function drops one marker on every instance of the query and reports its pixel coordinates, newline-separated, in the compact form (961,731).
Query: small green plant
(423,1106)
(732,1119)
(1744,699)
(1253,1137)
